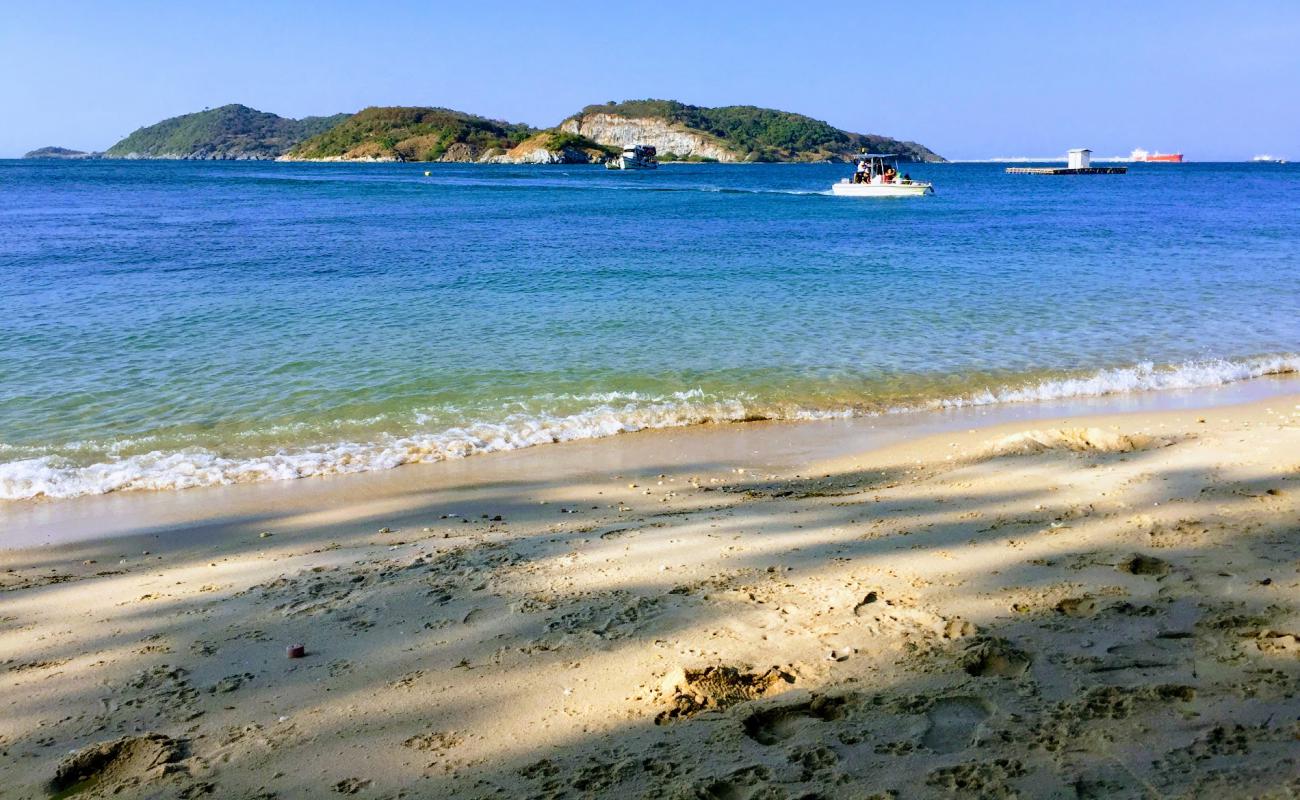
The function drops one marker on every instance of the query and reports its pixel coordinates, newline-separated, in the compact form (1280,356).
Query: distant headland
(61,152)
(679,131)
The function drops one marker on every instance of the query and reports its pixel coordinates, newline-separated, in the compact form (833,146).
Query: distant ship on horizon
(1156,157)
(1268,159)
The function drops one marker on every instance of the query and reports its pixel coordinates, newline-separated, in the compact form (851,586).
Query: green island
(412,134)
(60,152)
(750,133)
(228,132)
(679,131)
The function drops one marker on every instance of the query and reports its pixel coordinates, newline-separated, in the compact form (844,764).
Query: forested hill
(403,133)
(228,132)
(751,133)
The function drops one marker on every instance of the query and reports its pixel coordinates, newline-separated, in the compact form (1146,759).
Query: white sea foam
(616,412)
(1140,378)
(57,477)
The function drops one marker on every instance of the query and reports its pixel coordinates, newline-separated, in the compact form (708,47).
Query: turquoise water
(173,324)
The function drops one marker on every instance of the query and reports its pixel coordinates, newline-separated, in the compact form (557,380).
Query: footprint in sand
(995,658)
(1077,606)
(953,723)
(351,785)
(772,725)
(862,609)
(230,683)
(1138,564)
(746,783)
(958,628)
(108,767)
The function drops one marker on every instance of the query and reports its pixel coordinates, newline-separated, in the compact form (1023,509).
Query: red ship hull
(1168,158)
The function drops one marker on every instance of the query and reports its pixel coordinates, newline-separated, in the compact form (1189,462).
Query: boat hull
(881,189)
(622,162)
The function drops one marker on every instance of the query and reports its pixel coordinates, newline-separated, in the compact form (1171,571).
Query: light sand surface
(1085,607)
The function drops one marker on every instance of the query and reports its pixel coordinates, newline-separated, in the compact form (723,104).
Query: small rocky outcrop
(61,152)
(552,147)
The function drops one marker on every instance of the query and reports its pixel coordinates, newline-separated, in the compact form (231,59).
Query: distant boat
(876,175)
(638,156)
(1267,159)
(1157,157)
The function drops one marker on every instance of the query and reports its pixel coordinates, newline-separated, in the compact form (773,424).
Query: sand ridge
(1104,608)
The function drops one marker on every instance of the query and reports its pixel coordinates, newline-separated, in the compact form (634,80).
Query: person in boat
(907,178)
(890,174)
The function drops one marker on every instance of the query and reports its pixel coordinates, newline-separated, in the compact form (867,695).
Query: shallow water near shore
(208,516)
(171,325)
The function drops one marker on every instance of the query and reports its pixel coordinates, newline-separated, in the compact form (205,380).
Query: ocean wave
(57,477)
(1145,377)
(51,476)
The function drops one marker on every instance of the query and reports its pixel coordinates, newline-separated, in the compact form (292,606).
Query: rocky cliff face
(667,137)
(549,147)
(731,133)
(461,153)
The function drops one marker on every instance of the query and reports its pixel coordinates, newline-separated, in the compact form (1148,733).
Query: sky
(970,80)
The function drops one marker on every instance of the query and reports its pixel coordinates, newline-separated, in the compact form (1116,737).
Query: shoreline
(780,444)
(47,477)
(694,612)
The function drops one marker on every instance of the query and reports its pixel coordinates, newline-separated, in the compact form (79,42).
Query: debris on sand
(1077,440)
(690,691)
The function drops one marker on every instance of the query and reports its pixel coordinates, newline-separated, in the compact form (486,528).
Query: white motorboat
(876,175)
(638,156)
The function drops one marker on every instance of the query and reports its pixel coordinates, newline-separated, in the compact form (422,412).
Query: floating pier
(1078,162)
(1066,170)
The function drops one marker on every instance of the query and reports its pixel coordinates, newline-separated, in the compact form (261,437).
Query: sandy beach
(1079,607)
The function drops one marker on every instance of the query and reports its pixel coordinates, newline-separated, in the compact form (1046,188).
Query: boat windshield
(875,168)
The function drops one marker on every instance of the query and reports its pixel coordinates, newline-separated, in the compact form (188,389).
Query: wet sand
(1092,605)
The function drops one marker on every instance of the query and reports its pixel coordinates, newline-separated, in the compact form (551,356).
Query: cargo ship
(1159,158)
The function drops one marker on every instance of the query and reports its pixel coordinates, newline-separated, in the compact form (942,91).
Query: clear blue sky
(971,80)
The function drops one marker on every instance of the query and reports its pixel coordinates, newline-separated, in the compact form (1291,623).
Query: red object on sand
(296,650)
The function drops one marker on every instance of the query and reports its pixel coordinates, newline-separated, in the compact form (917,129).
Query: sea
(166,325)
